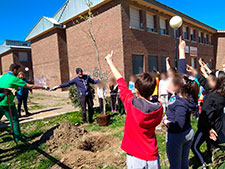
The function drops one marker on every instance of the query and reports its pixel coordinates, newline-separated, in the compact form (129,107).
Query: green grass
(36,107)
(26,157)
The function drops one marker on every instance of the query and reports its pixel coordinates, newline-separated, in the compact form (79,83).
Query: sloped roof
(70,9)
(73,8)
(13,44)
(44,24)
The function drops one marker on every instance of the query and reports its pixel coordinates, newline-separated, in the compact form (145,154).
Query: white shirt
(163,86)
(101,92)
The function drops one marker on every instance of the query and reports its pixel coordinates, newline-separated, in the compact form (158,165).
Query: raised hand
(109,58)
(113,68)
(191,70)
(182,44)
(167,59)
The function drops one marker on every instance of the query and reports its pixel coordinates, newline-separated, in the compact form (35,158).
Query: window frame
(139,55)
(157,64)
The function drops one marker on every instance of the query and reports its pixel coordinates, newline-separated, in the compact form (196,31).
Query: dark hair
(220,83)
(79,70)
(145,84)
(14,66)
(187,87)
(173,69)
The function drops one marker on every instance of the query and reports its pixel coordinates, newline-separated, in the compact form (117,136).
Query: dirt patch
(88,149)
(65,134)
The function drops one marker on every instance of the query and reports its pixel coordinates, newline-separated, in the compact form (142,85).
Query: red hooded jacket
(139,138)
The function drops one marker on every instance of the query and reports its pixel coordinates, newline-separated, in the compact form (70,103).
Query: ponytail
(187,87)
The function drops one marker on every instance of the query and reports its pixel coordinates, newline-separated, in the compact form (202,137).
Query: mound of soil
(65,134)
(88,149)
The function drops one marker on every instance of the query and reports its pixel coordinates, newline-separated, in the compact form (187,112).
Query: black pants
(101,105)
(120,105)
(199,139)
(22,100)
(113,102)
(87,100)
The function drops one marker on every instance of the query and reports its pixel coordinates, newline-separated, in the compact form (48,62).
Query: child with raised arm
(179,130)
(139,141)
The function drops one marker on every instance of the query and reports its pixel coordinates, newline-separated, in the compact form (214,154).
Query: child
(139,141)
(163,87)
(22,96)
(180,133)
(132,84)
(113,93)
(101,91)
(210,124)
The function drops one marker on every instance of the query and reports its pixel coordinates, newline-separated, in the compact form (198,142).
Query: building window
(163,64)
(23,57)
(163,27)
(185,33)
(27,75)
(200,37)
(210,40)
(137,62)
(152,63)
(150,19)
(135,19)
(206,38)
(176,33)
(192,32)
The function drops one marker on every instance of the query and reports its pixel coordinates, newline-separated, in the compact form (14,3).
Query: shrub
(218,159)
(74,97)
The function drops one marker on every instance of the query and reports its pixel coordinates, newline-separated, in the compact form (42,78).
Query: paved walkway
(56,103)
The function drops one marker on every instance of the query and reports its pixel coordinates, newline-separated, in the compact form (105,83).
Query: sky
(18,17)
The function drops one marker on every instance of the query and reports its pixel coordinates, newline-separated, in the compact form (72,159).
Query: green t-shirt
(10,81)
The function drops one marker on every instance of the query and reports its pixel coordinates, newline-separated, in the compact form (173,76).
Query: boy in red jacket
(139,141)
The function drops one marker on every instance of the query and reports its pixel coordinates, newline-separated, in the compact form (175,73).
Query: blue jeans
(22,100)
(178,147)
(136,163)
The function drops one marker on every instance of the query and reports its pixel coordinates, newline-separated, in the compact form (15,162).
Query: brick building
(220,36)
(137,31)
(16,52)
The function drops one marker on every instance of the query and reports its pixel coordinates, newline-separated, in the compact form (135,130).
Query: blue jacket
(178,112)
(83,85)
(24,91)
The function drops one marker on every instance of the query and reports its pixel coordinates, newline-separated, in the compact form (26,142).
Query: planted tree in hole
(91,34)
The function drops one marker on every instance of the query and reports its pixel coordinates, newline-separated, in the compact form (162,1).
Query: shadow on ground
(10,153)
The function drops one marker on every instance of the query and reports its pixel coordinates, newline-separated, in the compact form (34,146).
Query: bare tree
(91,33)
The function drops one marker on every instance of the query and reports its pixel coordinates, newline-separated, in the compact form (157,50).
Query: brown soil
(87,149)
(65,134)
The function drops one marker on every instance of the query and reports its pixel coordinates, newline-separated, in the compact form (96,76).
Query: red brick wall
(45,57)
(50,61)
(220,51)
(81,52)
(13,57)
(7,60)
(154,44)
(24,64)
